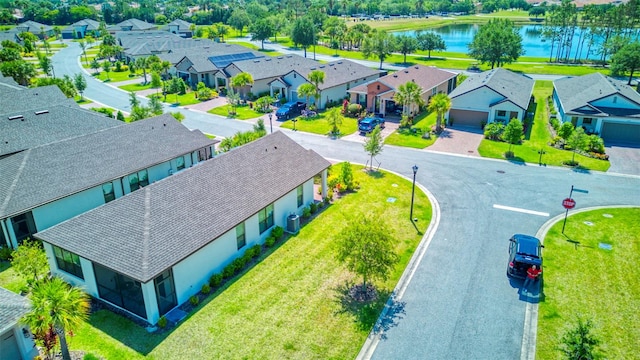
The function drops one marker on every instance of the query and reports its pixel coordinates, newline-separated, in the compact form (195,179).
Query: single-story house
(281,76)
(131,25)
(15,340)
(497,95)
(179,27)
(148,252)
(142,44)
(80,29)
(600,104)
(377,96)
(206,64)
(42,31)
(44,185)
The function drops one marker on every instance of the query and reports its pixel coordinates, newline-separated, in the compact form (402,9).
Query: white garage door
(625,133)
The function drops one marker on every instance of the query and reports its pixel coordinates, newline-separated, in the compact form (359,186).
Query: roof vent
(313,68)
(406,71)
(280,57)
(339,62)
(289,56)
(269,59)
(331,64)
(395,75)
(415,67)
(16,117)
(321,66)
(42,112)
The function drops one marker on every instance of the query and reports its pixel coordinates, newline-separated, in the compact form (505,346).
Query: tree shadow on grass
(433,58)
(407,64)
(374,173)
(367,315)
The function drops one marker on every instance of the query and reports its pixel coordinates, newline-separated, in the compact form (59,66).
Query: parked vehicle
(524,251)
(290,109)
(367,124)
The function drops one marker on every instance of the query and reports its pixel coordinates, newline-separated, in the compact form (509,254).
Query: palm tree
(440,103)
(306,90)
(317,78)
(59,305)
(83,46)
(409,94)
(143,63)
(241,80)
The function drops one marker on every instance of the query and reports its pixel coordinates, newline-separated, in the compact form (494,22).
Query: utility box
(293,224)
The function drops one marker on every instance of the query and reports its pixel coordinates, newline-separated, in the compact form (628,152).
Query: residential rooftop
(43,174)
(146,232)
(12,308)
(513,86)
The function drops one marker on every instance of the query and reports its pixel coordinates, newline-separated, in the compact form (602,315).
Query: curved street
(459,303)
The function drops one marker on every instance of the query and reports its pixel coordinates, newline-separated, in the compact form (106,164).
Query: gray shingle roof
(33,27)
(133,25)
(338,72)
(15,98)
(182,25)
(147,43)
(271,67)
(12,308)
(7,82)
(144,233)
(577,92)
(43,174)
(59,123)
(515,87)
(89,23)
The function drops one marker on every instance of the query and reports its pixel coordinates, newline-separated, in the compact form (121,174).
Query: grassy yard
(583,279)
(9,279)
(319,125)
(242,112)
(292,304)
(409,138)
(136,87)
(180,100)
(113,76)
(538,139)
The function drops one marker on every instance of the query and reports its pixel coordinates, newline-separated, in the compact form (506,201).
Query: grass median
(591,271)
(292,304)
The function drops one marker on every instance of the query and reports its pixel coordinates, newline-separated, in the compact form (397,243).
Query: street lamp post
(413,191)
(270,123)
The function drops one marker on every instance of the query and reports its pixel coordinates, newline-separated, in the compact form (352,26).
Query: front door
(165,292)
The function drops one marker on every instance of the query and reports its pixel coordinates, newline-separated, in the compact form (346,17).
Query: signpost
(569,203)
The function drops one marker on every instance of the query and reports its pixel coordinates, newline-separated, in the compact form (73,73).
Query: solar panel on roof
(221,61)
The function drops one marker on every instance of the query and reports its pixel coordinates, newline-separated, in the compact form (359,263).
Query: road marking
(532,212)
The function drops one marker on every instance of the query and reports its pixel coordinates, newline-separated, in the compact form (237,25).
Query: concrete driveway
(458,140)
(624,158)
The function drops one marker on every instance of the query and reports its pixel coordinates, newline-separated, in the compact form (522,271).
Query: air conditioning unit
(293,224)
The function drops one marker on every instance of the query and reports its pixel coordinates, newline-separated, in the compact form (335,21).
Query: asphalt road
(459,303)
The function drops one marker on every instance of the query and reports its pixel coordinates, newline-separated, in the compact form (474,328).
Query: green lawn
(113,76)
(136,87)
(291,304)
(9,279)
(242,112)
(582,279)
(413,139)
(539,139)
(319,125)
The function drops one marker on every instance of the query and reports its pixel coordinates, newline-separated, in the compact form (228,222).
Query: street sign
(568,203)
(581,191)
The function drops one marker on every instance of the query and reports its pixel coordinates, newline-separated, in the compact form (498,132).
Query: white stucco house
(148,252)
(16,342)
(601,105)
(497,95)
(45,184)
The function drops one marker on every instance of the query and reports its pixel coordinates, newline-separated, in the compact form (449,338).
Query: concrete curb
(529,335)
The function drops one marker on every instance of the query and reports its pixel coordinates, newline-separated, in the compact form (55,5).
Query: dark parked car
(367,124)
(524,251)
(290,109)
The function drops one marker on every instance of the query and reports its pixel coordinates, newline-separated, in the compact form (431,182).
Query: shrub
(329,196)
(239,263)
(565,130)
(493,131)
(269,241)
(579,342)
(555,123)
(120,116)
(205,289)
(313,207)
(162,322)
(406,121)
(306,212)
(255,251)
(103,110)
(5,253)
(215,280)
(247,256)
(194,300)
(595,144)
(277,232)
(346,175)
(118,67)
(229,271)
(353,110)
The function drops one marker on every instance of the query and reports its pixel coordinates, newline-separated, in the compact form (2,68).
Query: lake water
(458,36)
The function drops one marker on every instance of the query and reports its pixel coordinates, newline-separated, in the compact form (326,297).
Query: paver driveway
(458,140)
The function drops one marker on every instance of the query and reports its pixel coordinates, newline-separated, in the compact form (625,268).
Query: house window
(615,99)
(265,218)
(587,121)
(134,182)
(68,262)
(241,239)
(120,290)
(434,91)
(300,195)
(107,192)
(165,292)
(143,178)
(378,87)
(180,163)
(23,226)
(501,113)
